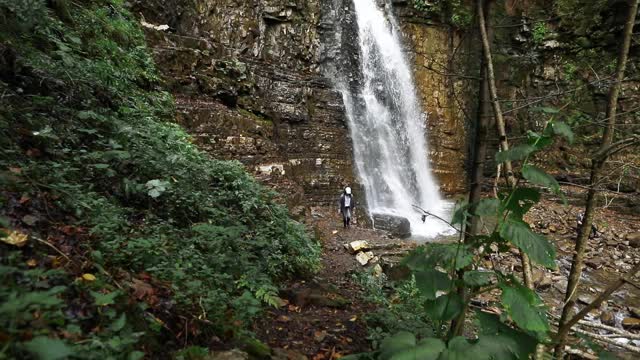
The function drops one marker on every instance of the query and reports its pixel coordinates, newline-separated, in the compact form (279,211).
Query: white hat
(347,190)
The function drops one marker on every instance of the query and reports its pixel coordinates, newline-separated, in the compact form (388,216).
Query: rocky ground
(324,316)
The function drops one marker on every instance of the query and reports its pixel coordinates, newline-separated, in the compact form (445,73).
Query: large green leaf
(447,255)
(502,341)
(525,308)
(537,176)
(444,308)
(539,249)
(520,200)
(403,346)
(444,255)
(459,348)
(516,153)
(44,348)
(477,278)
(546,109)
(539,141)
(431,281)
(460,213)
(562,129)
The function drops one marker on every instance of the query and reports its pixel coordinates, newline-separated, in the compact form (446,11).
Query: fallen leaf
(32,263)
(24,199)
(284,318)
(16,238)
(143,291)
(68,229)
(354,318)
(29,220)
(89,277)
(33,153)
(334,232)
(57,261)
(15,170)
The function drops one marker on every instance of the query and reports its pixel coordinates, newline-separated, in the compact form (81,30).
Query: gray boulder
(397,225)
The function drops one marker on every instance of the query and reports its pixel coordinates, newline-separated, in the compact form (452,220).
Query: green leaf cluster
(84,116)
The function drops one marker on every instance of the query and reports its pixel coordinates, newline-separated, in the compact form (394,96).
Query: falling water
(388,127)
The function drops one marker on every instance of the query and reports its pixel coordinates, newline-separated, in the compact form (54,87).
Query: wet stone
(608,318)
(631,323)
(396,225)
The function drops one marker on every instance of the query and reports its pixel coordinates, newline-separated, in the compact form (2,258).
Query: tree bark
(504,144)
(596,172)
(480,140)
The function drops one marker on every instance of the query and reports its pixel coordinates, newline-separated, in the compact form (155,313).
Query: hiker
(347,204)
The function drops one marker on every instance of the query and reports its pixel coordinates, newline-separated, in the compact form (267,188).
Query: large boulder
(397,225)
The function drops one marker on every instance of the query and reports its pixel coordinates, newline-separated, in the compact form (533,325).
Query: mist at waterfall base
(388,128)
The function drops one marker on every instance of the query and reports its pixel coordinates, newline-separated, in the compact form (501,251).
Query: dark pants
(346,216)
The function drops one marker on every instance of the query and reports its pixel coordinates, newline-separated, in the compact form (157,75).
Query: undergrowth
(92,168)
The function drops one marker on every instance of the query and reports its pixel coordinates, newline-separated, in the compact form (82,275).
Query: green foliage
(397,308)
(536,246)
(581,16)
(448,276)
(403,346)
(456,13)
(33,302)
(85,119)
(539,32)
(525,308)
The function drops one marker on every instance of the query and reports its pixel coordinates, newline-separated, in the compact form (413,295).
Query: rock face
(396,225)
(447,100)
(248,86)
(252,82)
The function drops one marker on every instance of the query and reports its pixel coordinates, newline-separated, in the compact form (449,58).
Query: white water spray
(388,128)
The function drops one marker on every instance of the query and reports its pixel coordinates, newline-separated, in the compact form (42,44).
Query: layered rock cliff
(253,82)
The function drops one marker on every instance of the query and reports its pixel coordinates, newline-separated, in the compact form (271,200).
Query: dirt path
(325,317)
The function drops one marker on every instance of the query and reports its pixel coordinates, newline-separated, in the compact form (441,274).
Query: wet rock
(396,272)
(396,225)
(631,323)
(377,270)
(608,318)
(364,257)
(633,239)
(542,280)
(234,354)
(595,263)
(315,293)
(585,299)
(256,348)
(286,354)
(357,246)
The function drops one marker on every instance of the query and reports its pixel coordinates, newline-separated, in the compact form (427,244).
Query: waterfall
(388,127)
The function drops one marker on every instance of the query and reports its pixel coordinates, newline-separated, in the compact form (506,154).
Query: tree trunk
(504,143)
(596,172)
(480,141)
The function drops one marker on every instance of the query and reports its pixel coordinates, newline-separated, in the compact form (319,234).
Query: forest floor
(325,316)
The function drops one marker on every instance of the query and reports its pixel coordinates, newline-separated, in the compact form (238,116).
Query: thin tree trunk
(480,142)
(479,155)
(504,144)
(596,172)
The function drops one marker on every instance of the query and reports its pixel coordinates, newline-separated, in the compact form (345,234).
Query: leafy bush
(85,122)
(540,32)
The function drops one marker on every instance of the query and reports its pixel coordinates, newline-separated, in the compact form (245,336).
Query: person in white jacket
(347,204)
